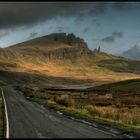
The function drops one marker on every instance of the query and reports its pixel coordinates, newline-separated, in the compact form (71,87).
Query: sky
(114,26)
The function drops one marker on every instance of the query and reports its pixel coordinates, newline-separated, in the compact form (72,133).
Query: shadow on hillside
(16,78)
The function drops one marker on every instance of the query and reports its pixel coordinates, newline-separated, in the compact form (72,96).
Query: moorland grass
(125,117)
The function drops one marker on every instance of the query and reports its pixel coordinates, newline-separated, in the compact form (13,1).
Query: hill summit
(59,38)
(69,39)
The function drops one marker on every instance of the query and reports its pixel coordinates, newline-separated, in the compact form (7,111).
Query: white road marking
(86,122)
(114,131)
(6,115)
(60,113)
(129,136)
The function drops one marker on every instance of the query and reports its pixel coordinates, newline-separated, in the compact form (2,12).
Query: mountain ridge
(133,53)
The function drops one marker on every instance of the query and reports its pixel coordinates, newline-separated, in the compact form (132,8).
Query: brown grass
(123,115)
(64,100)
(117,113)
(25,59)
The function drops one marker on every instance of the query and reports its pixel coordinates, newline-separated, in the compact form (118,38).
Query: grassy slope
(121,113)
(95,67)
(34,78)
(84,67)
(124,117)
(128,85)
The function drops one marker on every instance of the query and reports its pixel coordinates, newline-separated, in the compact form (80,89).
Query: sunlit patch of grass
(123,115)
(85,113)
(64,100)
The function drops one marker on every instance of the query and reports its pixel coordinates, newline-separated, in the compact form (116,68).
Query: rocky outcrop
(66,53)
(69,39)
(79,46)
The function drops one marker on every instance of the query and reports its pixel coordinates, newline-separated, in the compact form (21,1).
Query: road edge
(6,115)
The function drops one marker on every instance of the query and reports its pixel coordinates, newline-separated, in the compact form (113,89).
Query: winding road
(31,120)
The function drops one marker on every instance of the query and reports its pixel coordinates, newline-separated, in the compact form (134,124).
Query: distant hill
(133,53)
(67,57)
(132,86)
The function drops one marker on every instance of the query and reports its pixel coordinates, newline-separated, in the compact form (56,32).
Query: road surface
(31,120)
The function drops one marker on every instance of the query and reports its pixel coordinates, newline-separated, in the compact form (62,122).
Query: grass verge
(83,113)
(124,118)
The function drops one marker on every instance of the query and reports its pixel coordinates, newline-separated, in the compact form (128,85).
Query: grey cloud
(100,8)
(112,37)
(92,10)
(60,29)
(109,39)
(33,34)
(123,6)
(97,24)
(96,39)
(117,34)
(86,29)
(138,36)
(13,14)
(79,19)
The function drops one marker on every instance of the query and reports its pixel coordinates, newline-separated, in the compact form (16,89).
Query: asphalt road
(31,120)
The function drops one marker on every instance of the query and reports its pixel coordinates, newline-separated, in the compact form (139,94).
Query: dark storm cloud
(33,34)
(123,6)
(13,14)
(112,38)
(91,10)
(100,9)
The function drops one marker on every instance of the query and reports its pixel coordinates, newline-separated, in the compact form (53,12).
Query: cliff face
(78,46)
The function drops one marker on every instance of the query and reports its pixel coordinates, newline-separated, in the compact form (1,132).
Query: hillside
(133,53)
(122,85)
(64,56)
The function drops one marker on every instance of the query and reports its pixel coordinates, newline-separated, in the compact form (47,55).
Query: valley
(69,69)
(90,84)
(64,56)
